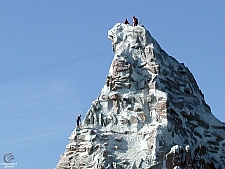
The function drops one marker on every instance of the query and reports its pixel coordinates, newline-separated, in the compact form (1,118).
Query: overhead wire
(27,72)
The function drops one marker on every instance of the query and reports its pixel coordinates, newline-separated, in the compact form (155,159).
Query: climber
(135,21)
(126,21)
(78,121)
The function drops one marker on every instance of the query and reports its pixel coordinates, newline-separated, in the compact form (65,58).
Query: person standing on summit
(135,21)
(126,21)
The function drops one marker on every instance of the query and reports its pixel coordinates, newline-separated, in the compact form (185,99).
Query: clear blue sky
(38,111)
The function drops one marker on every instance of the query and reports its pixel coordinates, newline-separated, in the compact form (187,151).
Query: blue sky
(39,106)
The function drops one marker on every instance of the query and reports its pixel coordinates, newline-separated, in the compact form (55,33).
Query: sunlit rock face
(150,114)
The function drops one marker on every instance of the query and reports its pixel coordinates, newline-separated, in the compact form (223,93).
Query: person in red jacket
(126,21)
(135,21)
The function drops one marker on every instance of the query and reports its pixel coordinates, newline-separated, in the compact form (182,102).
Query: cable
(27,72)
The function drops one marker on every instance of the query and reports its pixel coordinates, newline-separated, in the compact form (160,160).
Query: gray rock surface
(149,114)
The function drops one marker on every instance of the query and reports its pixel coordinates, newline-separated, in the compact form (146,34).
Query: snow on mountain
(149,114)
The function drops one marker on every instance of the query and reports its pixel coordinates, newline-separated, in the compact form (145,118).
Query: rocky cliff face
(149,114)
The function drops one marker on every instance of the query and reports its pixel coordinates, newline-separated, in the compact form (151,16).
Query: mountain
(150,114)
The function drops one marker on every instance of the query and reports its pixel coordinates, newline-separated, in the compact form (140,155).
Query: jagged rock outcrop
(150,114)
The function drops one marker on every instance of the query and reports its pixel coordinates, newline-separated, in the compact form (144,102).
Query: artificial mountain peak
(150,114)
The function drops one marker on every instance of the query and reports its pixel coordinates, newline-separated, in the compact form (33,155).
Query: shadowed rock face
(149,114)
